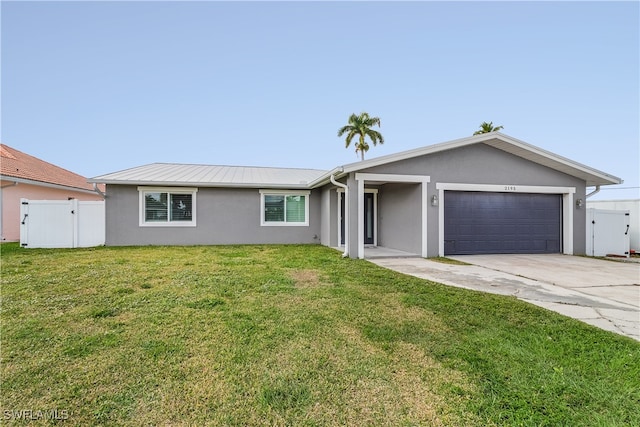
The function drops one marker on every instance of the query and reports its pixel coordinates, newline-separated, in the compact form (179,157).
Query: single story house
(23,176)
(488,193)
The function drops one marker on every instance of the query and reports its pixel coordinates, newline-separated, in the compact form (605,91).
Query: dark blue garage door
(501,223)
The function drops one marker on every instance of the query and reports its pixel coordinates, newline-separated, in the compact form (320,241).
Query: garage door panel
(550,229)
(538,233)
(553,246)
(510,229)
(480,222)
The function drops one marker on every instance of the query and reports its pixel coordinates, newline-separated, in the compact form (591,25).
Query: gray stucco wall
(399,216)
(223,216)
(476,164)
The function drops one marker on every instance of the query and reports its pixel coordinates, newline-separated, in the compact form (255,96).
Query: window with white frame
(284,207)
(172,206)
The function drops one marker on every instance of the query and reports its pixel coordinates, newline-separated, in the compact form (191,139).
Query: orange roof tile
(16,164)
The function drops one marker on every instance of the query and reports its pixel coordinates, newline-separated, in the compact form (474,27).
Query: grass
(445,260)
(290,335)
(613,258)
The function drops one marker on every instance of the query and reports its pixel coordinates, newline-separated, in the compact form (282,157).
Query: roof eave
(324,179)
(198,184)
(46,184)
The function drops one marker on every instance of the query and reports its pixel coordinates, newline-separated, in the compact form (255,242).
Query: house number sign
(509,188)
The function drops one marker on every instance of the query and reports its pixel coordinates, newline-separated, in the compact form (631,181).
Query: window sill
(166,224)
(284,224)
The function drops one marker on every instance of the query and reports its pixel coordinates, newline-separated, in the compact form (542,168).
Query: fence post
(73,204)
(24,226)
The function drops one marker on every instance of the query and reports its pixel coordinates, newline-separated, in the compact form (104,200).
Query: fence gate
(608,232)
(61,223)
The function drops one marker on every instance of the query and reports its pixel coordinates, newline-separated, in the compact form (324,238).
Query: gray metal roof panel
(214,176)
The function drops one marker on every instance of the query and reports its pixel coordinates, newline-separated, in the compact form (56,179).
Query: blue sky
(98,87)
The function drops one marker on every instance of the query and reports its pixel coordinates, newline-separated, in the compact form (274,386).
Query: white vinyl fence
(629,205)
(608,232)
(61,223)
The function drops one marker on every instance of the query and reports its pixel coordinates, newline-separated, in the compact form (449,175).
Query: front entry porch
(395,229)
(375,252)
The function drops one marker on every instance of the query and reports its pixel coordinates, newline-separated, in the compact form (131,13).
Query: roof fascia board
(326,178)
(199,184)
(45,184)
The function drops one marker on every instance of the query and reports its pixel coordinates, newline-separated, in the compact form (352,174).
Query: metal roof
(264,177)
(497,140)
(172,174)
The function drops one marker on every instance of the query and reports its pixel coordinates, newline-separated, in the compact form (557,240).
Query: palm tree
(361,126)
(487,127)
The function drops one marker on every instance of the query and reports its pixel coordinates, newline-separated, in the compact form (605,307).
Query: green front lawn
(290,335)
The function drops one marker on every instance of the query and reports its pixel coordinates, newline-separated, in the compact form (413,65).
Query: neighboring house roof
(171,174)
(237,176)
(22,168)
(496,140)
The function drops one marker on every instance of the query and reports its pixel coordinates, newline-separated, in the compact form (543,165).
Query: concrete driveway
(602,293)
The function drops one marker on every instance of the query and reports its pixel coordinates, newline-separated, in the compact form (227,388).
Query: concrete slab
(372,252)
(627,294)
(602,293)
(563,270)
(382,252)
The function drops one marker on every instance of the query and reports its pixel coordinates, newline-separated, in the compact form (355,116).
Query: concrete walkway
(602,293)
